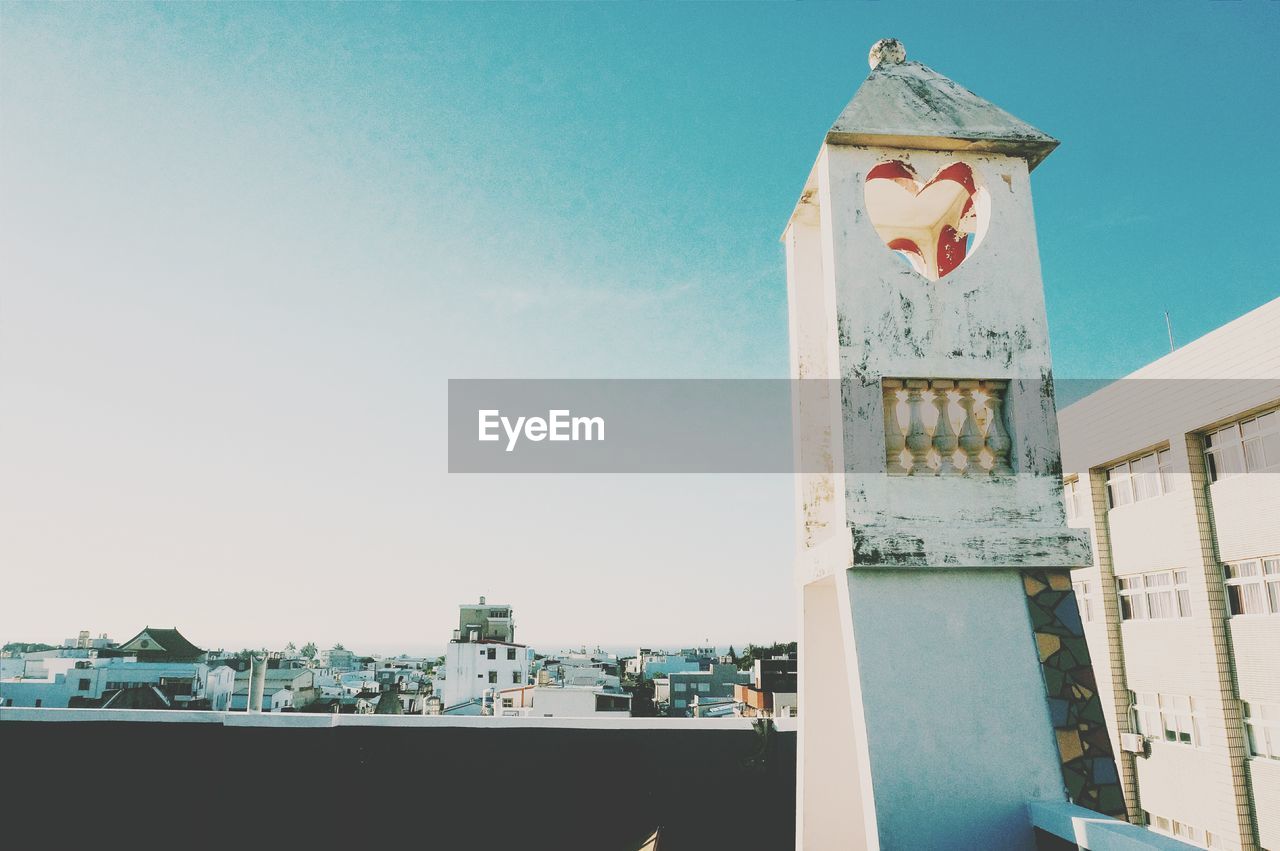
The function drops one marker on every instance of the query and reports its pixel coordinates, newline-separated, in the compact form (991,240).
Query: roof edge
(1034,151)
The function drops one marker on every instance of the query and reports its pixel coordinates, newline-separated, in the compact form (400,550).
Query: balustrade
(945,427)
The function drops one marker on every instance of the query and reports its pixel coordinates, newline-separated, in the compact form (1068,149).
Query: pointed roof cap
(905,104)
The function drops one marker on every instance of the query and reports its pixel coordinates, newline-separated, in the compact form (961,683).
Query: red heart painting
(932,225)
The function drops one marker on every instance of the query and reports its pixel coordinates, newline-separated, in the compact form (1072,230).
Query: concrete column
(835,810)
(1114,661)
(257,683)
(1224,667)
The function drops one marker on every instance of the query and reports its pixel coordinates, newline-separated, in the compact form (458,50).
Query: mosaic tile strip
(1088,764)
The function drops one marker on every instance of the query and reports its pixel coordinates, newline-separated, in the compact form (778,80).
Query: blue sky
(245,246)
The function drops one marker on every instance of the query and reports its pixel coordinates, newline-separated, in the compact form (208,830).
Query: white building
(654,665)
(1175,473)
(473,668)
(482,659)
(85,641)
(556,701)
(63,682)
(283,688)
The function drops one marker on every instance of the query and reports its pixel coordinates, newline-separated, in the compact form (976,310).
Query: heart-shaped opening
(933,226)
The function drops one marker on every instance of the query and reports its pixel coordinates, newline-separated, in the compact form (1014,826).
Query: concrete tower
(944,676)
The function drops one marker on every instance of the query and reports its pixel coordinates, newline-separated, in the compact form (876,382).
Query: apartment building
(483,658)
(685,686)
(1175,472)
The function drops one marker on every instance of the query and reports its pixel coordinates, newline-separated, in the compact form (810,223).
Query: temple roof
(904,104)
(167,643)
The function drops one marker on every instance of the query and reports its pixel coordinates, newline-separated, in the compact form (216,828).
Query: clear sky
(242,248)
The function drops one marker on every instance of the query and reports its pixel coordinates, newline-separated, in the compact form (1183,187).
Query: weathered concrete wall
(985,320)
(955,708)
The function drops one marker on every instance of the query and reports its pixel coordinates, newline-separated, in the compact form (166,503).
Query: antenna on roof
(1169,327)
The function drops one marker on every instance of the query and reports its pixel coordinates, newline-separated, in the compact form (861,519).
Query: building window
(84,684)
(1253,587)
(1146,713)
(1247,446)
(1140,478)
(1177,714)
(508,703)
(678,703)
(1076,499)
(677,687)
(1159,595)
(1188,833)
(493,653)
(515,677)
(1166,717)
(493,676)
(704,687)
(38,702)
(1262,729)
(511,654)
(1085,599)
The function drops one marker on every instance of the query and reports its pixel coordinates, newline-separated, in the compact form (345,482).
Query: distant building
(60,683)
(772,690)
(717,682)
(662,693)
(556,701)
(163,645)
(339,659)
(84,642)
(485,622)
(581,669)
(283,688)
(482,658)
(654,665)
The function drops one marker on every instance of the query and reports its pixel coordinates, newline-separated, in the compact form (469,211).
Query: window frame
(1261,724)
(1229,448)
(1085,599)
(1140,595)
(1172,719)
(1072,492)
(1263,581)
(1153,479)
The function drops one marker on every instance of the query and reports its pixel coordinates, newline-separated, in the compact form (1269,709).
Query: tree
(310,650)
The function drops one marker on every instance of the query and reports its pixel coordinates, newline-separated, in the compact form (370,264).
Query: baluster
(894,442)
(918,440)
(970,439)
(998,441)
(944,436)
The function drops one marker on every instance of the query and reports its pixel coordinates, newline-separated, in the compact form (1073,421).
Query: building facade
(1175,473)
(59,683)
(485,622)
(686,686)
(482,659)
(561,701)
